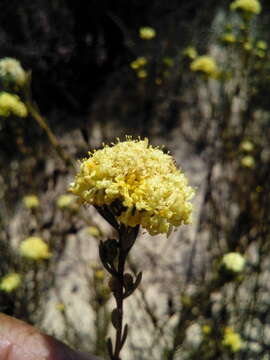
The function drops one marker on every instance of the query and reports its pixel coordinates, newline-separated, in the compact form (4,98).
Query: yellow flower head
(144,181)
(206,65)
(234,262)
(31,201)
(139,62)
(10,282)
(228,38)
(65,201)
(11,70)
(147,33)
(248,161)
(231,340)
(11,105)
(34,248)
(190,52)
(247,6)
(247,146)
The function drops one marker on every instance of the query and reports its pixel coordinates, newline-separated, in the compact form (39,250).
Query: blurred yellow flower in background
(206,65)
(231,340)
(248,161)
(206,329)
(190,52)
(31,201)
(147,33)
(65,201)
(34,248)
(247,45)
(11,105)
(249,6)
(143,180)
(11,70)
(234,262)
(228,38)
(142,74)
(10,282)
(247,146)
(262,45)
(139,62)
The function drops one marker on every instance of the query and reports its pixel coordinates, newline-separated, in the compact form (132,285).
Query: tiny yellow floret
(11,105)
(231,340)
(34,248)
(247,6)
(10,282)
(206,65)
(31,201)
(144,180)
(11,70)
(233,262)
(147,33)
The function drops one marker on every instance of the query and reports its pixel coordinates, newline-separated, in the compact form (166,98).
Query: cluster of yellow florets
(10,282)
(11,105)
(34,248)
(231,340)
(147,33)
(248,6)
(206,65)
(11,70)
(143,179)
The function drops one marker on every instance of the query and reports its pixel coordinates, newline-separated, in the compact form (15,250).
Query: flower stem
(113,255)
(119,297)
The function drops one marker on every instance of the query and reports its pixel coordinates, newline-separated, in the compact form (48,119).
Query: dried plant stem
(119,297)
(34,112)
